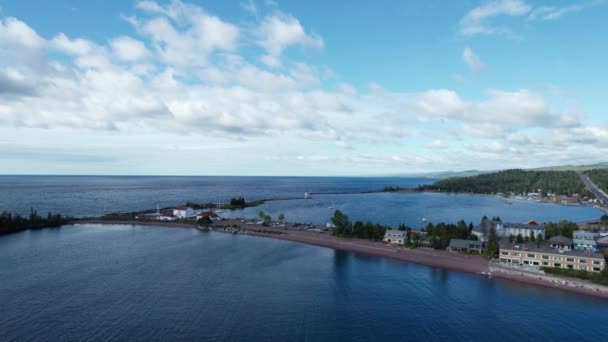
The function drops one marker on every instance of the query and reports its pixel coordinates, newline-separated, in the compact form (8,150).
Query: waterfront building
(210,214)
(167,216)
(504,230)
(584,240)
(560,242)
(183,212)
(458,245)
(394,236)
(602,242)
(531,255)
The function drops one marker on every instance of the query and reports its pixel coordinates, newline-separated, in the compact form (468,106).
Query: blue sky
(300,88)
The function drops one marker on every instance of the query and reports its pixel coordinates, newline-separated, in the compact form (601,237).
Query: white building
(504,230)
(183,212)
(394,236)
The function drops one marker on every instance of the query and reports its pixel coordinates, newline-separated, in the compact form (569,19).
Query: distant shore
(474,264)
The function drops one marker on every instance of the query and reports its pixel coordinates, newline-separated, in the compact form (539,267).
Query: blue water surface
(119,283)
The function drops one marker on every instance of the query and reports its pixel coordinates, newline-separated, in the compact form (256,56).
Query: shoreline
(468,263)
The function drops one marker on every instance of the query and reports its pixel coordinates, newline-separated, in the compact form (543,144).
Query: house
(483,230)
(504,230)
(394,236)
(210,214)
(183,212)
(531,255)
(561,242)
(525,229)
(602,242)
(458,245)
(584,240)
(167,216)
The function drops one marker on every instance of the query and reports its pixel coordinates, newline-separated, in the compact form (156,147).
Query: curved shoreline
(473,264)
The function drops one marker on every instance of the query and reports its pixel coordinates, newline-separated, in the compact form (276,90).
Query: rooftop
(532,247)
(561,240)
(394,233)
(458,243)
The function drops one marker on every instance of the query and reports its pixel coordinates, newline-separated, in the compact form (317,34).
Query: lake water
(95,195)
(409,208)
(91,195)
(92,282)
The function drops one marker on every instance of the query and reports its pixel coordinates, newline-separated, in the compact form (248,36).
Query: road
(599,194)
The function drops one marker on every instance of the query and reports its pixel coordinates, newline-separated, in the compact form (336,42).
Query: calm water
(87,195)
(94,195)
(146,283)
(407,208)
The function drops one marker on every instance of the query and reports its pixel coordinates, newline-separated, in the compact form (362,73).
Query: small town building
(504,230)
(394,236)
(458,245)
(210,214)
(584,240)
(560,242)
(167,216)
(531,255)
(602,242)
(183,212)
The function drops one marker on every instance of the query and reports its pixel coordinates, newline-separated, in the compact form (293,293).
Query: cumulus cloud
(16,32)
(184,34)
(280,31)
(183,74)
(128,49)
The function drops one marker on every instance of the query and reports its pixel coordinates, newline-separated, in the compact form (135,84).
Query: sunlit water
(121,283)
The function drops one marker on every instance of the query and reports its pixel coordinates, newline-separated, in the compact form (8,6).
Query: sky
(335,88)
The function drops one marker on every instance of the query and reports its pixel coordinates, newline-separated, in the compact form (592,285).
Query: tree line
(517,181)
(11,223)
(343,227)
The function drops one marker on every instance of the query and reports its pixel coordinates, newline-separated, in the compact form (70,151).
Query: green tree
(492,244)
(261,214)
(511,238)
(342,225)
(281,216)
(205,220)
(519,239)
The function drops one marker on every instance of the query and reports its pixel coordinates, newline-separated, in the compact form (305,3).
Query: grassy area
(598,278)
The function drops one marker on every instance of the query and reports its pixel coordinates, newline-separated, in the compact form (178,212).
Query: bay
(116,283)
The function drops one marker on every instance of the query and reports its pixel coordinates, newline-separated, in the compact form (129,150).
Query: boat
(424,219)
(203,228)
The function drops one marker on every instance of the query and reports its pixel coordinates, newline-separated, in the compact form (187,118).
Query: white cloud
(128,49)
(472,60)
(185,34)
(280,31)
(249,6)
(556,12)
(16,32)
(196,91)
(482,20)
(78,46)
(437,144)
(477,20)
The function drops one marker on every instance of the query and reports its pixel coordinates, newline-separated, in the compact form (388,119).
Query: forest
(10,223)
(599,177)
(516,181)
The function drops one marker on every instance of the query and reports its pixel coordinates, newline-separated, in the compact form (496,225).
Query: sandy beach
(474,264)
